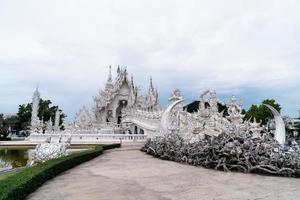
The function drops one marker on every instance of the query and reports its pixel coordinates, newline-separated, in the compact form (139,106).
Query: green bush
(111,146)
(21,184)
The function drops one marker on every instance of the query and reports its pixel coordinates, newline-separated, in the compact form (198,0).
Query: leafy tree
(24,117)
(297,126)
(194,107)
(45,112)
(261,112)
(3,127)
(7,124)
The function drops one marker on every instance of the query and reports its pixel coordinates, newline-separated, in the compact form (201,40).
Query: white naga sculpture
(280,127)
(47,150)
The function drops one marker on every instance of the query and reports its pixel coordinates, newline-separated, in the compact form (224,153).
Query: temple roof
(112,88)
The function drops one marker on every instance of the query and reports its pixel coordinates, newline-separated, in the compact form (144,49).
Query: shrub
(19,185)
(111,146)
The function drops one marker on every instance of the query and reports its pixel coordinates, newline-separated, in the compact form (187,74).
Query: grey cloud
(66,46)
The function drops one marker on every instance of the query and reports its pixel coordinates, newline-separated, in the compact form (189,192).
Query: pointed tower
(109,75)
(109,83)
(131,82)
(56,121)
(35,121)
(151,85)
(152,98)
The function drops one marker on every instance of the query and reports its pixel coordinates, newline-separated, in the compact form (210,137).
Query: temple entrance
(122,104)
(109,116)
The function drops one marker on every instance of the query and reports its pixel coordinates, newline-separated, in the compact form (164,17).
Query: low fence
(87,138)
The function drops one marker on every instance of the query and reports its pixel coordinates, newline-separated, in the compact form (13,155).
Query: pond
(14,158)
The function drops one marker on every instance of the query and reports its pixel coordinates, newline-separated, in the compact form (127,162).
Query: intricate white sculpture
(5,166)
(280,127)
(235,111)
(165,119)
(46,151)
(174,114)
(84,119)
(175,96)
(152,98)
(255,128)
(36,123)
(208,121)
(56,122)
(49,126)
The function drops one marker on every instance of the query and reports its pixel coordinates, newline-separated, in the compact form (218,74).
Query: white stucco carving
(36,124)
(280,127)
(47,150)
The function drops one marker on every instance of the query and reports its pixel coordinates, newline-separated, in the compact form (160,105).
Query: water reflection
(13,158)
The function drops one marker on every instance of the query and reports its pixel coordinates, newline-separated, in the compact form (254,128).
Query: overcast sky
(249,48)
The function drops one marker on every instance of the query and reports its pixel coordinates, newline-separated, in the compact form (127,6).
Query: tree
(3,127)
(7,124)
(297,126)
(194,107)
(261,112)
(45,112)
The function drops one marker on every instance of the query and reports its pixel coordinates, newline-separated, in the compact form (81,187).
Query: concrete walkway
(127,173)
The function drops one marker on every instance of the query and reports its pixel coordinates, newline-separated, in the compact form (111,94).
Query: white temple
(121,114)
(119,94)
(110,118)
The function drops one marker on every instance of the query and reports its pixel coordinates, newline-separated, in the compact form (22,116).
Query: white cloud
(66,45)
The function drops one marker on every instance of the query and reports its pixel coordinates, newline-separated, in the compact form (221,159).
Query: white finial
(36,92)
(151,84)
(56,120)
(109,75)
(132,80)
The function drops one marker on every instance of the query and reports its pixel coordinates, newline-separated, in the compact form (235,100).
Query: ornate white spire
(109,83)
(132,84)
(56,122)
(35,109)
(109,75)
(118,70)
(151,84)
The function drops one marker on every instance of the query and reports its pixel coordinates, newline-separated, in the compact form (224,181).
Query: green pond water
(13,158)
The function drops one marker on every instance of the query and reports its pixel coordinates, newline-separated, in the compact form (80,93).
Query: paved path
(129,174)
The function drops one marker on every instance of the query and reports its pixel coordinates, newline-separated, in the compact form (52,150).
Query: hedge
(21,184)
(110,146)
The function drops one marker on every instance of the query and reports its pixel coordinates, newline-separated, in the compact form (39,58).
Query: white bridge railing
(87,138)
